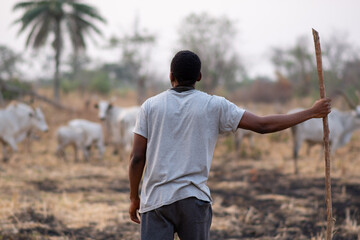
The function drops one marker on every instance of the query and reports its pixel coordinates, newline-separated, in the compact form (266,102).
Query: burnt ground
(279,206)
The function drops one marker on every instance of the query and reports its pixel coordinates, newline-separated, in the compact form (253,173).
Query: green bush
(67,85)
(8,95)
(100,83)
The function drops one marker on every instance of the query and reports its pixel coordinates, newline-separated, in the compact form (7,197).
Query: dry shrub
(264,91)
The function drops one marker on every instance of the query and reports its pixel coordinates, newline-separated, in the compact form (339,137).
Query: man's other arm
(136,168)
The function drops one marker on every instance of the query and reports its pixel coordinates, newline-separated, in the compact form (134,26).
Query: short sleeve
(141,126)
(230,116)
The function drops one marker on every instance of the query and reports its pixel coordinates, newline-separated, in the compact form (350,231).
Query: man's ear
(199,78)
(173,80)
(172,77)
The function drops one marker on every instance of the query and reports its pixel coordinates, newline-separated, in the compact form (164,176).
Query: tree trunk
(141,90)
(2,102)
(76,71)
(57,61)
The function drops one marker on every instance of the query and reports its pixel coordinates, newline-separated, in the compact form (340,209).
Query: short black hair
(186,67)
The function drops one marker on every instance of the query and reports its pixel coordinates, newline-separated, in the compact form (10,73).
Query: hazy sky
(261,24)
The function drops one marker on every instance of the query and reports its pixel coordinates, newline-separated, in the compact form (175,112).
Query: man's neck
(180,88)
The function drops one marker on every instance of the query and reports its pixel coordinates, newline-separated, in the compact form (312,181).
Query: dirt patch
(45,185)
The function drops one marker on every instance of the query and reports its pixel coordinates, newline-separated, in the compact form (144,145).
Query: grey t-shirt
(181,131)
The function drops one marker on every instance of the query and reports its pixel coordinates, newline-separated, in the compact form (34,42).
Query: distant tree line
(213,38)
(298,64)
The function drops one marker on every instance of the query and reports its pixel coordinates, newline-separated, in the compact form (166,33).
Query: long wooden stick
(329,225)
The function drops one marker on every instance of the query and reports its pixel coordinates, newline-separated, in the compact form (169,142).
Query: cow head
(104,109)
(38,120)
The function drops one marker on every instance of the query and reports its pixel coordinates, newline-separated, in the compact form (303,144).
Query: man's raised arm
(278,122)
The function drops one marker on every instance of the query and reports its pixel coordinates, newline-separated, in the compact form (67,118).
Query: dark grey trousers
(190,218)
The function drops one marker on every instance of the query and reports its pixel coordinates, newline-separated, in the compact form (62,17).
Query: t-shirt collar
(180,89)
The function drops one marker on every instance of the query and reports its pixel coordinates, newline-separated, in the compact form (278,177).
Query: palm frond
(42,33)
(78,28)
(85,9)
(80,41)
(76,33)
(31,33)
(31,4)
(39,16)
(85,24)
(26,4)
(29,16)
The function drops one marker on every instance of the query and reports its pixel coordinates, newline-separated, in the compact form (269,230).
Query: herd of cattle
(19,121)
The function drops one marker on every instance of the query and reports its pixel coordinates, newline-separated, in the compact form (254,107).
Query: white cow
(127,121)
(16,122)
(119,122)
(75,136)
(341,126)
(94,134)
(109,113)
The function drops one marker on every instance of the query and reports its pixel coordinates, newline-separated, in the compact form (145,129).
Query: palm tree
(54,17)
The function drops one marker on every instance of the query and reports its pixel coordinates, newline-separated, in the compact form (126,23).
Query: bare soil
(255,193)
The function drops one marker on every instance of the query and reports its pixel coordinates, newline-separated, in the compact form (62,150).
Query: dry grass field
(256,195)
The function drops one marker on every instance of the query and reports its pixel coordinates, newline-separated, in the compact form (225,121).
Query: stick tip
(315,34)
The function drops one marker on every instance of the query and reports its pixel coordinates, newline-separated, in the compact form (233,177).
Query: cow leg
(63,145)
(297,145)
(60,149)
(86,153)
(100,148)
(5,158)
(12,144)
(108,135)
(29,138)
(309,146)
(76,155)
